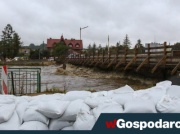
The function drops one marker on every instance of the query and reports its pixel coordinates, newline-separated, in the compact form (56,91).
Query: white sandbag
(7,99)
(12,124)
(20,109)
(73,109)
(31,114)
(84,121)
(6,111)
(56,124)
(153,93)
(99,94)
(122,98)
(112,107)
(68,128)
(168,105)
(173,91)
(20,99)
(33,125)
(164,84)
(124,89)
(110,93)
(53,108)
(93,102)
(74,95)
(139,106)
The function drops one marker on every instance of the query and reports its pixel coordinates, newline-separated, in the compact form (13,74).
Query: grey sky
(148,20)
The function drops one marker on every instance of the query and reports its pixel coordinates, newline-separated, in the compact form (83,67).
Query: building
(154,44)
(75,45)
(24,50)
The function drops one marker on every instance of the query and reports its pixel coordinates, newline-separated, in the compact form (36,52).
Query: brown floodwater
(51,80)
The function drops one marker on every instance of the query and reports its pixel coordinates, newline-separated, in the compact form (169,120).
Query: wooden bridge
(152,59)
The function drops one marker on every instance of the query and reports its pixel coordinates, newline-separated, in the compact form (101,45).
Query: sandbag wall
(79,110)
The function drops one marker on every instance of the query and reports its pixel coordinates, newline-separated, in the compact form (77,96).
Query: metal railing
(23,80)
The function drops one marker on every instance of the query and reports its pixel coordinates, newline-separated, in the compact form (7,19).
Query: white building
(154,44)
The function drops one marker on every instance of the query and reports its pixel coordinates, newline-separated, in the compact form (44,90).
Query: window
(70,45)
(77,45)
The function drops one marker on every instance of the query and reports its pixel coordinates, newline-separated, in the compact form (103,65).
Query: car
(51,59)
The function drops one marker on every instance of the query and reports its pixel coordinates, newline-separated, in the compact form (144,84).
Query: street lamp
(81,29)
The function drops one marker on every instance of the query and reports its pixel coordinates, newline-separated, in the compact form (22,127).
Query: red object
(73,43)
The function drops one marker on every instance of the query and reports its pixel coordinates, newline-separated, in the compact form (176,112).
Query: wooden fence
(152,58)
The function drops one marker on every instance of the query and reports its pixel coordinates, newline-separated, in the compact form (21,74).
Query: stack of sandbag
(8,116)
(79,110)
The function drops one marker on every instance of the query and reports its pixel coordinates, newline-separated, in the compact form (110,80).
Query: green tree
(126,42)
(10,42)
(16,44)
(140,46)
(60,50)
(176,46)
(46,53)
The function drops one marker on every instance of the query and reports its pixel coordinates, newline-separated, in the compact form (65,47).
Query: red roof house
(76,45)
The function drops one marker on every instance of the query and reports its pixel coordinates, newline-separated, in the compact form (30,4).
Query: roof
(76,44)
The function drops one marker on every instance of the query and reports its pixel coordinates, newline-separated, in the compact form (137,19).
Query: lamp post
(81,29)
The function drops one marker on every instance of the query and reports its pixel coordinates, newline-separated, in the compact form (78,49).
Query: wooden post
(103,55)
(148,53)
(165,52)
(94,53)
(125,54)
(117,54)
(109,56)
(136,51)
(98,55)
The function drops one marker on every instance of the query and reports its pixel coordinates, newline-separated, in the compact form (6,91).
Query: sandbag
(20,109)
(93,102)
(6,111)
(164,84)
(7,99)
(122,98)
(99,94)
(173,91)
(33,125)
(53,108)
(168,105)
(153,93)
(56,124)
(112,107)
(31,114)
(84,121)
(74,95)
(68,128)
(124,89)
(139,106)
(12,124)
(73,109)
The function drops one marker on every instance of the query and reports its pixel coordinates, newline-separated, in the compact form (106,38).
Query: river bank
(134,81)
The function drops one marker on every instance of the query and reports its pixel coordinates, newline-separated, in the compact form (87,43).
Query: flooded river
(82,79)
(51,80)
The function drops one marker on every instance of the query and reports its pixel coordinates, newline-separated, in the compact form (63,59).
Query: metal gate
(23,80)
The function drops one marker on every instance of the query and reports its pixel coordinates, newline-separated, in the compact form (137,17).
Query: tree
(176,46)
(140,46)
(126,42)
(60,50)
(10,42)
(16,44)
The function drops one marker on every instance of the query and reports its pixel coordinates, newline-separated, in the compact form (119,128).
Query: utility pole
(108,44)
(81,29)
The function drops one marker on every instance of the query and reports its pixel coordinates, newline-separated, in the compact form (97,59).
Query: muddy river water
(75,78)
(51,80)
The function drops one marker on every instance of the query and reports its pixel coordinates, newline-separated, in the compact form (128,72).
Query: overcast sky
(148,20)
